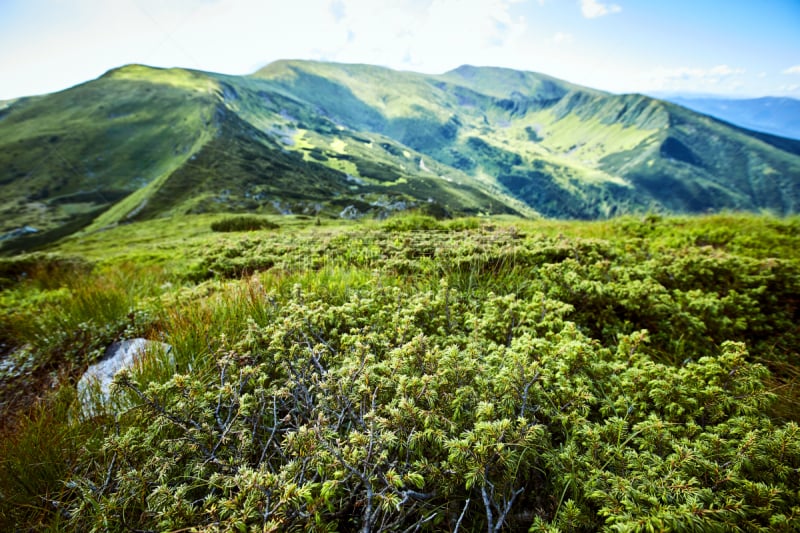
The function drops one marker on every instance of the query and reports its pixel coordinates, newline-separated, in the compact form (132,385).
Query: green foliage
(431,375)
(67,317)
(314,138)
(243,223)
(412,222)
(36,458)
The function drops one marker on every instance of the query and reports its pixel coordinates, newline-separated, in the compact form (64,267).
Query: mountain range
(775,115)
(342,140)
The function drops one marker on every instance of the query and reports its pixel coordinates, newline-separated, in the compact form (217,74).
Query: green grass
(314,138)
(459,359)
(107,138)
(243,223)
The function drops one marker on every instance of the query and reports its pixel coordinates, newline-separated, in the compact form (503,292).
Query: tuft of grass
(37,455)
(243,223)
(412,222)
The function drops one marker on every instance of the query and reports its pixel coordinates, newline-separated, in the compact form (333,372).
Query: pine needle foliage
(242,223)
(619,376)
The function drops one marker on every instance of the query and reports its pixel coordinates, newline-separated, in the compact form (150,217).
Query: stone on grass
(94,387)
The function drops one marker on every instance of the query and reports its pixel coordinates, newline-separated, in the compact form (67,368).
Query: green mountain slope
(69,156)
(142,142)
(358,140)
(564,150)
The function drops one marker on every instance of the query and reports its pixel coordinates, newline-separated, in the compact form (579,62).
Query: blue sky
(734,47)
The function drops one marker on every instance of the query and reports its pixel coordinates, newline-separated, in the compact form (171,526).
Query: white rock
(95,384)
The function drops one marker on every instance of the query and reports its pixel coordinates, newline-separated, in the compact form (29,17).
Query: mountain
(777,116)
(353,140)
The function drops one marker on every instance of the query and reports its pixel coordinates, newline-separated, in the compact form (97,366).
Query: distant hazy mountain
(358,140)
(778,116)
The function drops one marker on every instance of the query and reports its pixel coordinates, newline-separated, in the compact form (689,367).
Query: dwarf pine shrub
(488,378)
(243,223)
(392,410)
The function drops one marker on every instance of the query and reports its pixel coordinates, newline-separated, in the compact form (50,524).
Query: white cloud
(60,42)
(239,36)
(561,37)
(593,9)
(425,35)
(693,78)
(428,35)
(721,70)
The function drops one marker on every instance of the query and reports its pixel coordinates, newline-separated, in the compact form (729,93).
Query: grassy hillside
(141,142)
(412,373)
(354,141)
(82,150)
(564,150)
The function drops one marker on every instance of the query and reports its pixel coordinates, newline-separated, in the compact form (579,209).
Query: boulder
(94,387)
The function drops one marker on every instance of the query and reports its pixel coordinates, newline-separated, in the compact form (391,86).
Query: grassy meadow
(412,374)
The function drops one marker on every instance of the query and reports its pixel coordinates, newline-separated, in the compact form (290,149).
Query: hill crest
(326,139)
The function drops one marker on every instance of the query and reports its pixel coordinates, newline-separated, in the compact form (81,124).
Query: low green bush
(393,409)
(618,375)
(412,222)
(243,223)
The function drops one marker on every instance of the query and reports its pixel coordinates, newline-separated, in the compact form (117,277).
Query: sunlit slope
(349,141)
(141,142)
(699,163)
(373,173)
(563,149)
(75,153)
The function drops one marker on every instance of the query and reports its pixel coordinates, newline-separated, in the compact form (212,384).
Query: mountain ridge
(779,116)
(333,139)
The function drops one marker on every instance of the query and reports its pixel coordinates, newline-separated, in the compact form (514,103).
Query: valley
(371,300)
(360,141)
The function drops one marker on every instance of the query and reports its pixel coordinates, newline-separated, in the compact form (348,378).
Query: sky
(743,48)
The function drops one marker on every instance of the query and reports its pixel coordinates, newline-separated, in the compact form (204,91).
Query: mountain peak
(132,69)
(503,82)
(175,76)
(332,138)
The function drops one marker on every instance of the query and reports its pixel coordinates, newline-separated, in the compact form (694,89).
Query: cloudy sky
(732,47)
